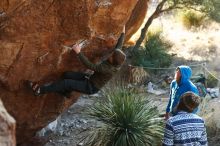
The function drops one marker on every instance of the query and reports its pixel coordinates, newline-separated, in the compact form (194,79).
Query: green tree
(168,5)
(154,53)
(214,12)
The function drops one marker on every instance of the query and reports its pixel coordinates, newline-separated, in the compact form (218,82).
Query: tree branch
(177,4)
(144,30)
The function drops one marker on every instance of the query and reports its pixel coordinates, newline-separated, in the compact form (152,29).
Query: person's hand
(89,71)
(123,29)
(76,48)
(167,116)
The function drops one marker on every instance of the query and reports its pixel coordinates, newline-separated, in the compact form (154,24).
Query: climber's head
(117,58)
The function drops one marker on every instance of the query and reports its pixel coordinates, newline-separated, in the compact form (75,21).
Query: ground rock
(7,128)
(210,112)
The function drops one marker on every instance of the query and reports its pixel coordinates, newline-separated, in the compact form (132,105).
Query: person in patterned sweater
(83,82)
(186,128)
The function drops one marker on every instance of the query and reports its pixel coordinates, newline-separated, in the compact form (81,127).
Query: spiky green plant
(127,119)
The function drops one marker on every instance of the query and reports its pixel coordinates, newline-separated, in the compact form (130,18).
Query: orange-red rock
(31,37)
(137,18)
(7,128)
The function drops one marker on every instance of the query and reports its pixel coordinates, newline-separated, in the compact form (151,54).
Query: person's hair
(188,102)
(118,57)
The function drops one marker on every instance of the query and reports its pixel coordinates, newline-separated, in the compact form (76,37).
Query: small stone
(80,144)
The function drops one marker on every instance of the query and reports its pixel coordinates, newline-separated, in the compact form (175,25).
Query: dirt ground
(68,129)
(71,126)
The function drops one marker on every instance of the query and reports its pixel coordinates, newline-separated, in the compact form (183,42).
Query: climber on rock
(83,82)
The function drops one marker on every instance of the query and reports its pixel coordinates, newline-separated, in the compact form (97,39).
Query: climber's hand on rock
(76,48)
(123,29)
(89,71)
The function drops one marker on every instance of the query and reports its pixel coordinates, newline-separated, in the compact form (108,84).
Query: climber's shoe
(34,86)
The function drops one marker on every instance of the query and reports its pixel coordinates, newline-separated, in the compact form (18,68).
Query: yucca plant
(127,119)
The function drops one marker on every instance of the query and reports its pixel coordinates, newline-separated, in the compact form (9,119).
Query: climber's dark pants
(71,81)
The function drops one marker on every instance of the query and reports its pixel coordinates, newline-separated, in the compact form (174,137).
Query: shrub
(139,75)
(192,18)
(154,53)
(214,10)
(211,80)
(128,119)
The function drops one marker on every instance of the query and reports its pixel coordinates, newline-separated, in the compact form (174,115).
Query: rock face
(7,128)
(136,18)
(32,35)
(210,112)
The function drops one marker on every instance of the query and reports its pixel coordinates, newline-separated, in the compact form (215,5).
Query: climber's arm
(120,40)
(86,62)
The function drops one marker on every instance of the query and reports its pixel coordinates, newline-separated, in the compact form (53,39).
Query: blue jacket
(176,90)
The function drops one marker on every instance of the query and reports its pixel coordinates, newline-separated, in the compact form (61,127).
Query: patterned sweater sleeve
(120,41)
(168,139)
(203,140)
(90,65)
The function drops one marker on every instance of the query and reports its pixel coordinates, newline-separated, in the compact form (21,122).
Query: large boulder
(7,128)
(32,35)
(210,112)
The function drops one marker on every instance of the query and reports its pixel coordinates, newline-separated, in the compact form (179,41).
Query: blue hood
(177,89)
(186,73)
